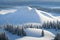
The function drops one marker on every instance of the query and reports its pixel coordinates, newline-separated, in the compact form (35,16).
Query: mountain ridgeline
(20,16)
(54,10)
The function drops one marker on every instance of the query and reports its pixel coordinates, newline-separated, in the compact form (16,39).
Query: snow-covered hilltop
(25,14)
(18,15)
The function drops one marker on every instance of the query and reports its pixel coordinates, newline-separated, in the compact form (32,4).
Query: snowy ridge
(54,7)
(45,18)
(19,16)
(34,16)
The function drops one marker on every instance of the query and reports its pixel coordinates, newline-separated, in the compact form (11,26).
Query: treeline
(32,26)
(19,29)
(15,30)
(51,25)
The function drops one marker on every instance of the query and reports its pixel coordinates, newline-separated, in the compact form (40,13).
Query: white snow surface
(3,12)
(35,34)
(44,18)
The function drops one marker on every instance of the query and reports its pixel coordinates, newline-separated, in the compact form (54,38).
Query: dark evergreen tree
(42,33)
(31,26)
(44,25)
(23,32)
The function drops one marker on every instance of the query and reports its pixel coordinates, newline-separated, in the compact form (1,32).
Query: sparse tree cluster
(32,26)
(19,30)
(15,30)
(50,25)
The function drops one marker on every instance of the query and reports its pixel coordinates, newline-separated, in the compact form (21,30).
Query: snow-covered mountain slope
(25,14)
(19,15)
(45,16)
(38,32)
(35,34)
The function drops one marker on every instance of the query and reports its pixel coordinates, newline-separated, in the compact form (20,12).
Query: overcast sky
(31,0)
